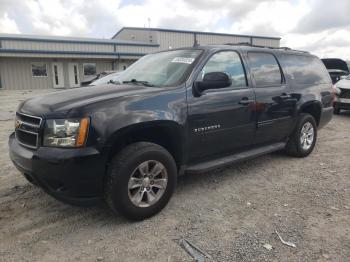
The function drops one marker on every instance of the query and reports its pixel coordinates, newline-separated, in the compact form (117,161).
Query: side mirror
(213,80)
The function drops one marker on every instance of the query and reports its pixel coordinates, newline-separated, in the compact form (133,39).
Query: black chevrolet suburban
(175,112)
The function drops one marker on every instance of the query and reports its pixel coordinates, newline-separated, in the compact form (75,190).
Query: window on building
(76,80)
(228,62)
(55,71)
(265,69)
(89,69)
(39,69)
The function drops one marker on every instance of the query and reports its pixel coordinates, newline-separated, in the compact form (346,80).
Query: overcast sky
(319,26)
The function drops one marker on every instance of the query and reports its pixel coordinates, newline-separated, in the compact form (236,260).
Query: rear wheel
(303,139)
(141,180)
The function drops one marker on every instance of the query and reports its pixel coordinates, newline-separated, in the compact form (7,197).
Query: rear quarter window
(305,70)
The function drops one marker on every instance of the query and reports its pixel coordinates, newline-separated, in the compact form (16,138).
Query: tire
(295,147)
(336,110)
(132,168)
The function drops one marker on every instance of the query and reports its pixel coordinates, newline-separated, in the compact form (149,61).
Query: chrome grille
(27,130)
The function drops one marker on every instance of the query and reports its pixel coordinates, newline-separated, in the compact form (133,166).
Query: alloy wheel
(147,183)
(307,136)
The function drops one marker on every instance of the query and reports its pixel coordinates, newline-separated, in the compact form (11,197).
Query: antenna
(149,22)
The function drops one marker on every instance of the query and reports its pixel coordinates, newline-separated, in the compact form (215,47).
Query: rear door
(221,120)
(275,105)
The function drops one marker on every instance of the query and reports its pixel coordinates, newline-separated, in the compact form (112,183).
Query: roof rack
(262,46)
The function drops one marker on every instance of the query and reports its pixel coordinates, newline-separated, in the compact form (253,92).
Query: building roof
(191,32)
(76,40)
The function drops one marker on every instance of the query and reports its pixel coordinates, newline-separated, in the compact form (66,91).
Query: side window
(265,69)
(305,69)
(228,62)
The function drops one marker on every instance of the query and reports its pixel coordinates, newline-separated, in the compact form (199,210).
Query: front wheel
(303,139)
(141,180)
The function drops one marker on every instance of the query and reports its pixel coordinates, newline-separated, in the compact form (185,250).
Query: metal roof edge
(2,50)
(88,41)
(192,32)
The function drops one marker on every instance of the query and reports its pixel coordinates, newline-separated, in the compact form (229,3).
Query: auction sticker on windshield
(183,60)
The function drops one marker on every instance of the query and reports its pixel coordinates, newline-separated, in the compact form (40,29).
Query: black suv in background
(174,112)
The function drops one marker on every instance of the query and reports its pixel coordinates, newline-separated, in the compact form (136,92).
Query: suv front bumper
(342,103)
(73,176)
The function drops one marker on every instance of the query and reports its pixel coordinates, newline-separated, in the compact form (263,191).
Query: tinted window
(228,62)
(265,69)
(305,69)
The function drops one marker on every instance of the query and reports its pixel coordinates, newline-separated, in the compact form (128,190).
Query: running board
(228,160)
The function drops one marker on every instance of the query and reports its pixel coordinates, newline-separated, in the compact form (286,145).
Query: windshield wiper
(134,81)
(113,82)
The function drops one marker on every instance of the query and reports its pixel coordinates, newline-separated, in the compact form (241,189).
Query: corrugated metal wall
(49,55)
(174,40)
(136,49)
(144,35)
(16,73)
(56,46)
(15,65)
(207,39)
(266,42)
(27,48)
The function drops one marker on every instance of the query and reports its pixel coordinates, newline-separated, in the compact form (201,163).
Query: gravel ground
(230,214)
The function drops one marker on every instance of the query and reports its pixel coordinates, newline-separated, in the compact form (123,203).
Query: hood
(344,83)
(63,101)
(335,63)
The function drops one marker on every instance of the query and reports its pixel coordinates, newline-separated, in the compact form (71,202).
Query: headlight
(66,132)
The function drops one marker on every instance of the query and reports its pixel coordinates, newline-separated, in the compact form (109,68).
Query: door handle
(245,101)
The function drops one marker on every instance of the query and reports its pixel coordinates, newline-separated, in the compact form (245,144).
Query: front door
(73,75)
(57,74)
(275,105)
(221,121)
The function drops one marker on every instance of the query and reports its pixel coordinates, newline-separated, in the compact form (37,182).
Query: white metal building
(33,62)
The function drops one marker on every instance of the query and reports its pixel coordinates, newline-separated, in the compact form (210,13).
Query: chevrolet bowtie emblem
(17,124)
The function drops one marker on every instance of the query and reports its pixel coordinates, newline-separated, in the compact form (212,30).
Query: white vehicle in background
(342,100)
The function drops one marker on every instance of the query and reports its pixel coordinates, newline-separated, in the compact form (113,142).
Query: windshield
(106,79)
(161,69)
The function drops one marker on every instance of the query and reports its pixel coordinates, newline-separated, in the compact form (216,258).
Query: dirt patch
(230,213)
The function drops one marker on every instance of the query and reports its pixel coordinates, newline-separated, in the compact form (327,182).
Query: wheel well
(313,109)
(169,137)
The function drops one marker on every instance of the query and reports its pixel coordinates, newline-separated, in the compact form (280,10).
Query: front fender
(167,108)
